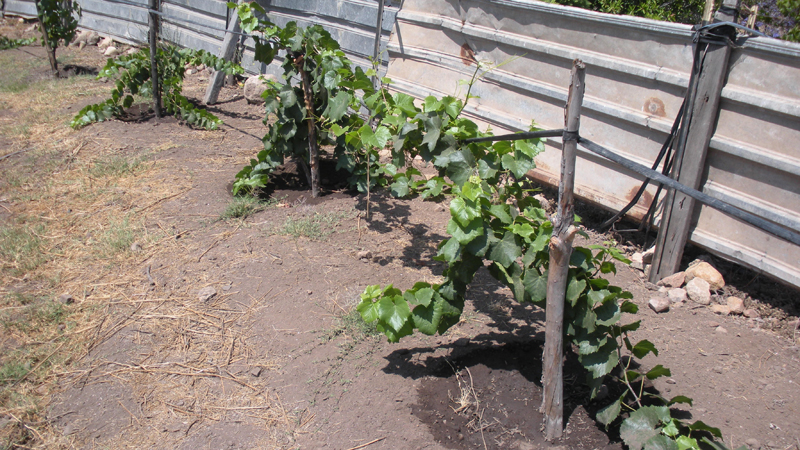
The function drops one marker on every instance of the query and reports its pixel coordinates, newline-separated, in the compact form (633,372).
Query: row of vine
(494,218)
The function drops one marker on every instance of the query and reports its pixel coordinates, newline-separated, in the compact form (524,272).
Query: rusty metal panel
(637,73)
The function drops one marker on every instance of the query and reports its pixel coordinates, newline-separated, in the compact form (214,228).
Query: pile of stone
(696,285)
(106,46)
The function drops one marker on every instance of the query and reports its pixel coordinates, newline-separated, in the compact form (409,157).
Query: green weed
(21,248)
(243,207)
(351,325)
(117,165)
(117,238)
(314,227)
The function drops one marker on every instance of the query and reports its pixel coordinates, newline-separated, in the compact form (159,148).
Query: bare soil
(278,359)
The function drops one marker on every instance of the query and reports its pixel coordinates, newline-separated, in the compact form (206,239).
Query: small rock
(659,304)
(752,444)
(200,67)
(461,342)
(720,330)
(255,372)
(190,72)
(650,286)
(87,37)
(751,313)
(671,381)
(704,270)
(721,309)
(698,291)
(105,43)
(647,256)
(111,52)
(20,20)
(366,254)
(136,247)
(677,295)
(675,280)
(309,292)
(546,205)
(712,324)
(636,261)
(66,299)
(736,305)
(227,287)
(663,290)
(255,86)
(69,429)
(206,294)
(131,51)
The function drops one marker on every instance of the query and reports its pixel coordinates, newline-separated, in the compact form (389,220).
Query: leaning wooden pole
(560,252)
(153,52)
(313,148)
(227,52)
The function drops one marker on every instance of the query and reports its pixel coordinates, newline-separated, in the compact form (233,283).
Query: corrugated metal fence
(637,74)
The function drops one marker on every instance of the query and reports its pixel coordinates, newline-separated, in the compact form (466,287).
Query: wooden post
(560,252)
(313,149)
(376,53)
(690,156)
(226,52)
(49,46)
(153,59)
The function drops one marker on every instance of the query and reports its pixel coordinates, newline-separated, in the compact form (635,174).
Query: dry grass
(70,210)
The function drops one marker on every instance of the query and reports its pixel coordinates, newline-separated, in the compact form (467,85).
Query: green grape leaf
(642,425)
(609,413)
(643,347)
(506,251)
(658,371)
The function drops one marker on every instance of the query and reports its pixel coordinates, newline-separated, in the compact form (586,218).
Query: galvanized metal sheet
(637,72)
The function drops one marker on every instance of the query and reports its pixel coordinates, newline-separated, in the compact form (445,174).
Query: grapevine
(132,75)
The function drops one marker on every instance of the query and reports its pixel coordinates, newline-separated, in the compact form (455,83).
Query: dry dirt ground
(278,358)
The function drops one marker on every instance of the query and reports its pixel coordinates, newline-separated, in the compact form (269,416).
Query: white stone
(698,291)
(736,305)
(677,295)
(675,280)
(105,43)
(647,256)
(637,262)
(659,304)
(704,270)
(721,309)
(111,52)
(206,294)
(255,86)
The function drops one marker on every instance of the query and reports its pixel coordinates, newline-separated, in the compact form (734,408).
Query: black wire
(666,149)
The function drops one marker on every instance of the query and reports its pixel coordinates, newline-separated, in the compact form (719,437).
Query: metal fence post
(153,35)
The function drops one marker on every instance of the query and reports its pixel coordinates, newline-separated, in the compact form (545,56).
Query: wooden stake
(313,149)
(49,47)
(560,252)
(690,156)
(153,52)
(378,32)
(227,51)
